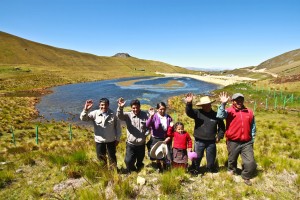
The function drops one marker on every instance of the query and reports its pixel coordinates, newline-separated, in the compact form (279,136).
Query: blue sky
(215,34)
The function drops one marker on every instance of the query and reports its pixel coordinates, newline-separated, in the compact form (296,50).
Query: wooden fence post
(37,134)
(13,135)
(70,131)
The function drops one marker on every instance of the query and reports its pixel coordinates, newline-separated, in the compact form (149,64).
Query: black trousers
(134,157)
(110,149)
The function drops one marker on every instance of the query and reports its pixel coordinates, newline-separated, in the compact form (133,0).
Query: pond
(66,102)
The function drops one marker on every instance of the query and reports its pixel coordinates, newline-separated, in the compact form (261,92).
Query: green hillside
(27,65)
(18,51)
(285,64)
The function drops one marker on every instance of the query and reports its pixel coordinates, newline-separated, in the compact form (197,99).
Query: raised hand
(151,112)
(121,102)
(189,97)
(171,124)
(224,98)
(88,104)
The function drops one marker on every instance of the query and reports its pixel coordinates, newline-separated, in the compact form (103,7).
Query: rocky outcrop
(122,55)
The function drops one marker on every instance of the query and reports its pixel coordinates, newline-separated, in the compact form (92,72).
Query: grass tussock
(170,182)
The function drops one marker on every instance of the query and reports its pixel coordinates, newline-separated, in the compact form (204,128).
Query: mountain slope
(18,51)
(284,64)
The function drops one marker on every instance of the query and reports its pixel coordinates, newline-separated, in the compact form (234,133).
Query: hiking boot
(247,182)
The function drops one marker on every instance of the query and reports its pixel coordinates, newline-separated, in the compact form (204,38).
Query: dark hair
(104,100)
(178,124)
(161,104)
(135,102)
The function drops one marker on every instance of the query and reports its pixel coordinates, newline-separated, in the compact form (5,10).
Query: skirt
(180,155)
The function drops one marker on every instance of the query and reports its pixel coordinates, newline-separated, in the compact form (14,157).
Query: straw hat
(204,100)
(159,150)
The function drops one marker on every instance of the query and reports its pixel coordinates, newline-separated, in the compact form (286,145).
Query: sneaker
(247,182)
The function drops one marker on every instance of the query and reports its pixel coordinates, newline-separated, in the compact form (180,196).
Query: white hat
(159,150)
(204,100)
(237,95)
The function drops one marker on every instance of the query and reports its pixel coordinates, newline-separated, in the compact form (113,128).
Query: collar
(104,113)
(134,115)
(242,109)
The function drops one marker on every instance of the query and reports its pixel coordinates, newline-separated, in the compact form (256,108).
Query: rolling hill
(18,51)
(285,64)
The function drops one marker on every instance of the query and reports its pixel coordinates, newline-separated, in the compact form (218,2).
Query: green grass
(275,152)
(56,158)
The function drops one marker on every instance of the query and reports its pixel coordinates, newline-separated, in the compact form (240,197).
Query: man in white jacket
(107,129)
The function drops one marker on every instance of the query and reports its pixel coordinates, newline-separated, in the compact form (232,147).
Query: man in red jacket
(240,133)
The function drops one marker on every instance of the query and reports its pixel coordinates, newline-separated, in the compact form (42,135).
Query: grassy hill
(281,66)
(18,51)
(26,58)
(285,64)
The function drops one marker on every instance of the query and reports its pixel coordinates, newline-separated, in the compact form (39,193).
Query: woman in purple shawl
(158,122)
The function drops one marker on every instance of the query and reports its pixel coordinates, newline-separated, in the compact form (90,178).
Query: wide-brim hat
(159,150)
(204,100)
(192,155)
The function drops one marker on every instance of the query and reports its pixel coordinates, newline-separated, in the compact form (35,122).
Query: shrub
(123,189)
(6,177)
(58,159)
(170,182)
(79,157)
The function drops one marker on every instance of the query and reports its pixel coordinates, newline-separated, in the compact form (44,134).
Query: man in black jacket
(207,125)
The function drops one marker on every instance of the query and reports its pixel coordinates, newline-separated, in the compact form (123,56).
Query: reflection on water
(66,102)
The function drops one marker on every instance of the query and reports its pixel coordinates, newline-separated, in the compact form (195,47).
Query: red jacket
(238,124)
(181,141)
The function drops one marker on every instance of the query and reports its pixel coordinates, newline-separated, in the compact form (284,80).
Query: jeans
(134,157)
(110,147)
(211,151)
(245,149)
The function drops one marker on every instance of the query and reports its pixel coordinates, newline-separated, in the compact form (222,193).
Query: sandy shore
(220,80)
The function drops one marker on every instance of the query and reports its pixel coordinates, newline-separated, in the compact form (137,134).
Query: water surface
(66,102)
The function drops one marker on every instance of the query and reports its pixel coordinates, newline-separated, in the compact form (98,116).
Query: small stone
(140,180)
(63,168)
